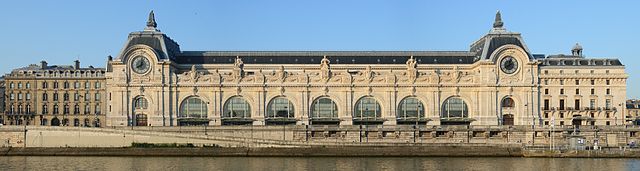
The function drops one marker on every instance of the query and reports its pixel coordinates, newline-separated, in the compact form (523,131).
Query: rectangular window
(44,97)
(546,91)
(577,82)
(28,95)
(87,109)
(87,97)
(561,122)
(19,85)
(28,85)
(577,91)
(55,96)
(546,104)
(593,82)
(592,104)
(97,96)
(97,109)
(607,82)
(608,91)
(97,84)
(87,85)
(561,104)
(76,85)
(546,82)
(76,96)
(577,104)
(561,91)
(55,85)
(12,96)
(561,82)
(593,91)
(607,104)
(11,86)
(19,96)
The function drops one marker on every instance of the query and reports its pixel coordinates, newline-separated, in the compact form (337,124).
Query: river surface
(312,163)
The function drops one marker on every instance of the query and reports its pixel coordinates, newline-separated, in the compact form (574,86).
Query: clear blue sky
(61,31)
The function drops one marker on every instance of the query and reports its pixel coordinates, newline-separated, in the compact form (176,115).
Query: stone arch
(455,111)
(280,110)
(193,111)
(367,110)
(410,110)
(139,107)
(324,110)
(236,111)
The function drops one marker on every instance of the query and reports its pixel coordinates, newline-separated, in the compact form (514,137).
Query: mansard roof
(336,57)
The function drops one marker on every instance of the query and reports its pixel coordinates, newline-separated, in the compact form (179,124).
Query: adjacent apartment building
(54,95)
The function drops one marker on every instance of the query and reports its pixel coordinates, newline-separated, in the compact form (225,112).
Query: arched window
(323,108)
(410,107)
(140,103)
(454,107)
(280,107)
(508,102)
(236,107)
(367,108)
(193,107)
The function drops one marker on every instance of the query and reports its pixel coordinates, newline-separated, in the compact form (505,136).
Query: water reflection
(312,163)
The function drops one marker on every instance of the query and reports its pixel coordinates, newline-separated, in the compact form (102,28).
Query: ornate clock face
(140,65)
(509,65)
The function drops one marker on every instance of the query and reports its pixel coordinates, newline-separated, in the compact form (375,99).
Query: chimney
(77,64)
(43,64)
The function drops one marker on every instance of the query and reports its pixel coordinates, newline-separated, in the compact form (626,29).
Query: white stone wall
(482,85)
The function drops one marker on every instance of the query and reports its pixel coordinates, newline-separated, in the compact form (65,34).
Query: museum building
(497,81)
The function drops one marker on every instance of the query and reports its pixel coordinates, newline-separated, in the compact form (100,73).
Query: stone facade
(633,111)
(55,95)
(498,81)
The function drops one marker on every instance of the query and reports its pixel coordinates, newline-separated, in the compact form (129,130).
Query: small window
(593,91)
(577,82)
(546,82)
(561,82)
(608,82)
(546,72)
(561,91)
(608,91)
(561,122)
(577,91)
(593,82)
(28,85)
(546,91)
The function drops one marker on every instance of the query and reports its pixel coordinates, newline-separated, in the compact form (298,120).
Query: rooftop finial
(576,50)
(151,23)
(498,22)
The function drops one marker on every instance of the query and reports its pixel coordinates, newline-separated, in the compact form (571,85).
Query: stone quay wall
(308,136)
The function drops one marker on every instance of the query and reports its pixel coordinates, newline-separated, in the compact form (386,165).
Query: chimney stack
(43,64)
(77,64)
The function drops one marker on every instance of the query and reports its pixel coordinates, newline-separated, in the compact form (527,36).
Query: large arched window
(410,108)
(280,107)
(141,103)
(454,107)
(193,107)
(507,102)
(323,108)
(236,107)
(367,108)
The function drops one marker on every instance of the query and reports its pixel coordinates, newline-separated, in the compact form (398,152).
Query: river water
(312,163)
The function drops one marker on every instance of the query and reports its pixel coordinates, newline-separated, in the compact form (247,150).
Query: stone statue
(238,63)
(324,69)
(411,69)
